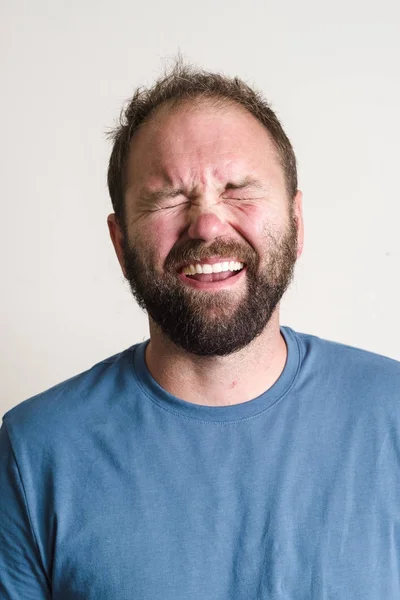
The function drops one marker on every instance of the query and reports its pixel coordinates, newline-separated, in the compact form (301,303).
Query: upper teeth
(215,268)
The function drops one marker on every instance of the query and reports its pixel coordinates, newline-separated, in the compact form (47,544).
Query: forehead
(193,144)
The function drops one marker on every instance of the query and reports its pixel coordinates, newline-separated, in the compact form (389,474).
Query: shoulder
(71,402)
(349,368)
(340,352)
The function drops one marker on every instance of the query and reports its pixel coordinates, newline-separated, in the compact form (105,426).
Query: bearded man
(227,457)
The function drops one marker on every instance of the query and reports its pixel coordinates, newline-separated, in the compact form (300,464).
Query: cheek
(271,220)
(158,236)
(251,222)
(261,227)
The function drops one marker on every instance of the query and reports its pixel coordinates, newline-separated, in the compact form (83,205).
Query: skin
(199,149)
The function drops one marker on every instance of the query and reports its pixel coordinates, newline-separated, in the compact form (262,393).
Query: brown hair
(187,83)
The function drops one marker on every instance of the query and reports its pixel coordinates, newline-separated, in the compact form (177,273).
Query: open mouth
(209,273)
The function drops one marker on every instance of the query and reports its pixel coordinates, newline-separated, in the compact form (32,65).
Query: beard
(208,323)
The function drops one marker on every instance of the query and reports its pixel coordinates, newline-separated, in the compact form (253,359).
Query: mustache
(194,250)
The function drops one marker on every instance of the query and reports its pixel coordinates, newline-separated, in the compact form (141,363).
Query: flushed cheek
(158,239)
(264,224)
(250,224)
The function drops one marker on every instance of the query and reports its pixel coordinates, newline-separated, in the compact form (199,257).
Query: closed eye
(176,205)
(241,198)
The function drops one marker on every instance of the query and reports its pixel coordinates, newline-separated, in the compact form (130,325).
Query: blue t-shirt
(113,489)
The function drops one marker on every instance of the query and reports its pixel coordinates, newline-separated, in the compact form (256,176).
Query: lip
(213,285)
(210,261)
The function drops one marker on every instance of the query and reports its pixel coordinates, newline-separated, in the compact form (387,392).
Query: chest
(238,517)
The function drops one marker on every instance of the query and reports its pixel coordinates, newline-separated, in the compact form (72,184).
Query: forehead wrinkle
(187,177)
(231,175)
(199,168)
(205,171)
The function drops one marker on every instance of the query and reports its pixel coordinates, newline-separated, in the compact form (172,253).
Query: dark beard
(203,322)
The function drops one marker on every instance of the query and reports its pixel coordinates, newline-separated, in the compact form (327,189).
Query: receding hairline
(196,103)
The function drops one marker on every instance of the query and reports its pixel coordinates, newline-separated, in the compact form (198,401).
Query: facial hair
(208,323)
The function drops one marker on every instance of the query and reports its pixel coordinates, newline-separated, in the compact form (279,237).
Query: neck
(218,380)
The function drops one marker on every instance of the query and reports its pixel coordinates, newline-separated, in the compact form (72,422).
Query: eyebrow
(173,192)
(243,183)
(166,192)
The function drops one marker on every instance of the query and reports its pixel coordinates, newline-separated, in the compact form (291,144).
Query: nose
(206,225)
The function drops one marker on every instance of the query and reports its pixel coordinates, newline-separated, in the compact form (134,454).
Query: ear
(117,237)
(298,213)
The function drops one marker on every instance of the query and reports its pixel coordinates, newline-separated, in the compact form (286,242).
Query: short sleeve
(21,571)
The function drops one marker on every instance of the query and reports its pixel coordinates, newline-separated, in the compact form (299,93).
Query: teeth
(215,268)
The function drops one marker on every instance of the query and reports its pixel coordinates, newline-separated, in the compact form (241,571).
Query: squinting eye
(176,205)
(235,198)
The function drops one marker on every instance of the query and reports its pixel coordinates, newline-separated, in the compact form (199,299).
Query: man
(227,458)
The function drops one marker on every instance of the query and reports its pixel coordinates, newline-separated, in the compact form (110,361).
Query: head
(202,173)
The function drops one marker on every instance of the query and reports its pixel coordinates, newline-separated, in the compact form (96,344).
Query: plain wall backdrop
(331,71)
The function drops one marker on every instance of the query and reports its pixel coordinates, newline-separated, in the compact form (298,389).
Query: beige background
(331,71)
